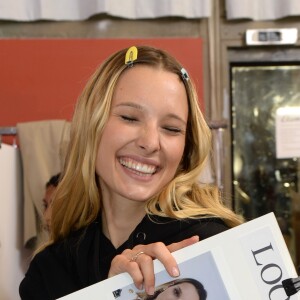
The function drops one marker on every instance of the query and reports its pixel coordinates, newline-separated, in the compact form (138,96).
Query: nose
(149,138)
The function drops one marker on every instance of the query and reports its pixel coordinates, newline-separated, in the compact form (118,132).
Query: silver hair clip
(184,74)
(131,56)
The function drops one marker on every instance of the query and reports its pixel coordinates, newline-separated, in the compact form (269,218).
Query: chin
(139,197)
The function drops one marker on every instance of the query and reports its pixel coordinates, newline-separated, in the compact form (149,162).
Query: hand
(138,262)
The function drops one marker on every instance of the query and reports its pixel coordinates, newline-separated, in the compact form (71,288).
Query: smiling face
(144,138)
(181,291)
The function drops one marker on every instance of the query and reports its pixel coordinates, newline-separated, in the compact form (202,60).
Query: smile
(137,167)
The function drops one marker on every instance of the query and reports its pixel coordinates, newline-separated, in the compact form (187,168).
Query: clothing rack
(216,125)
(217,128)
(212,125)
(7,131)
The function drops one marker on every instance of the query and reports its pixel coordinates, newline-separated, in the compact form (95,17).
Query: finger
(121,264)
(145,263)
(184,243)
(118,265)
(162,253)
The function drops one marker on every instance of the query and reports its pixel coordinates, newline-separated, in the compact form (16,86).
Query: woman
(129,191)
(180,289)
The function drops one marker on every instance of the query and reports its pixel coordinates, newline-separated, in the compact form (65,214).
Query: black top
(85,257)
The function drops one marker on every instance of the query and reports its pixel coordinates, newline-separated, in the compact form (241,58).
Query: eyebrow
(179,289)
(139,107)
(130,104)
(173,116)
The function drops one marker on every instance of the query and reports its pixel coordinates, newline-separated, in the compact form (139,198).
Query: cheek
(101,159)
(113,136)
(176,152)
(107,150)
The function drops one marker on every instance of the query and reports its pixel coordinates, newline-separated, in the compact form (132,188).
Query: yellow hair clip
(131,55)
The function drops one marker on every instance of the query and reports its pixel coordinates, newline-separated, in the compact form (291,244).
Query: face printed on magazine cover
(181,291)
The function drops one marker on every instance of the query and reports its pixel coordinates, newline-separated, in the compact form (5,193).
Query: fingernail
(150,290)
(175,272)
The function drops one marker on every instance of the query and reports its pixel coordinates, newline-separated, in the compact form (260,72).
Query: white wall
(13,257)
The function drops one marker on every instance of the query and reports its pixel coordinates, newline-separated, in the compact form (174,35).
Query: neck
(120,218)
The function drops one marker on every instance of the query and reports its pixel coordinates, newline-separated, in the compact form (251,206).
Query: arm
(32,286)
(48,277)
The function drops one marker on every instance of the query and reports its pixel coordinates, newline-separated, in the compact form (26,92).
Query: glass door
(261,182)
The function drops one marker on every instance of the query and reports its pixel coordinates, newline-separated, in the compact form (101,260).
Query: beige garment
(41,145)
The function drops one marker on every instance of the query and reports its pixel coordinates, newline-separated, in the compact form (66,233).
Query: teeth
(137,166)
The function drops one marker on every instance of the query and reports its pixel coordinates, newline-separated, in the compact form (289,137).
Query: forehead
(144,82)
(189,291)
(141,73)
(153,91)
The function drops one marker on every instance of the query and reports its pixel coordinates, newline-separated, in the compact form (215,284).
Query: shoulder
(57,266)
(50,261)
(172,230)
(208,226)
(43,269)
(203,227)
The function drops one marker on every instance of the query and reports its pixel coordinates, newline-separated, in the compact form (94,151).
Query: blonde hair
(77,201)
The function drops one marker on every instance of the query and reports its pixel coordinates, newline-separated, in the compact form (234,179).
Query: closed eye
(173,130)
(128,119)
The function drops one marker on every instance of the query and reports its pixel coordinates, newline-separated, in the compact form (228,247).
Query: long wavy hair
(78,201)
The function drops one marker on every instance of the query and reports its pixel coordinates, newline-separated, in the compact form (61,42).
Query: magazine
(247,262)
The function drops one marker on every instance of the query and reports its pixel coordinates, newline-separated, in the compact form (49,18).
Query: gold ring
(135,257)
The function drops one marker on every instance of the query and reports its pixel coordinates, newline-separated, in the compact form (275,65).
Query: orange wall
(40,79)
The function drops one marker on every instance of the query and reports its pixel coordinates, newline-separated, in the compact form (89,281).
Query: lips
(138,167)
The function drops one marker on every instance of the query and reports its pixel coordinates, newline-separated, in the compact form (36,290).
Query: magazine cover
(248,262)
